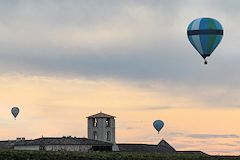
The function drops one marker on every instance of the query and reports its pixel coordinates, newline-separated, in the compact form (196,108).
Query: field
(43,155)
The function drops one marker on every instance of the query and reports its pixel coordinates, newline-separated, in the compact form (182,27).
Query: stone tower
(101,127)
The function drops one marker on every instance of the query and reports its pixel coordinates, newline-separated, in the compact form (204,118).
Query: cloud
(228,144)
(139,43)
(135,40)
(155,107)
(210,136)
(176,134)
(204,135)
(130,128)
(210,143)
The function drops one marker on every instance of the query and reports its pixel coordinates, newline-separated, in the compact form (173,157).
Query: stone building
(63,144)
(101,127)
(101,137)
(7,144)
(162,147)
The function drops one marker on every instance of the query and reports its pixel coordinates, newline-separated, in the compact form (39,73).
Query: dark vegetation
(47,155)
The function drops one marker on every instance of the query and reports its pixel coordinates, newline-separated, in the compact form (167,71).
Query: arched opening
(108,136)
(95,122)
(108,122)
(95,135)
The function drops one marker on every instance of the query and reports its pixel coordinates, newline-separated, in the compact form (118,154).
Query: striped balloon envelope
(205,34)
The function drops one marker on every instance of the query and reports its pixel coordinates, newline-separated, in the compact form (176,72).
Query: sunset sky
(63,60)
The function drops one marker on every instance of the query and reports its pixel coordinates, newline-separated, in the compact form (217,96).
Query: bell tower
(101,127)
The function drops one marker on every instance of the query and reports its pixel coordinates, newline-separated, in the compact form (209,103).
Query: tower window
(95,122)
(108,136)
(108,122)
(95,135)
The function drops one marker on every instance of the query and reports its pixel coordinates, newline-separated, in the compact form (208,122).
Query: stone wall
(81,148)
(32,148)
(101,129)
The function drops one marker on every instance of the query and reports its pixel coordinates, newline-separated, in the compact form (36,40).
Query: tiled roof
(6,144)
(192,152)
(163,146)
(101,115)
(63,141)
(138,148)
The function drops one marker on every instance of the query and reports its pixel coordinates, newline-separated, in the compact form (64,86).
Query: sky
(63,60)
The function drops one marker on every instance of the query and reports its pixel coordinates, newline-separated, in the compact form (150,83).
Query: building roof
(62,141)
(163,146)
(6,144)
(166,146)
(137,147)
(192,152)
(101,115)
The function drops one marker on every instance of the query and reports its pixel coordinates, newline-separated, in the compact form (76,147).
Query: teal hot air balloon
(158,125)
(15,111)
(205,34)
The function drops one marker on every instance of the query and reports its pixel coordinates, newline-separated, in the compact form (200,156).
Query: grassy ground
(43,155)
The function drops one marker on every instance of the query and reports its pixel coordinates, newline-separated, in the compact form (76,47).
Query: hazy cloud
(128,40)
(174,134)
(210,136)
(156,107)
(138,42)
(141,44)
(203,135)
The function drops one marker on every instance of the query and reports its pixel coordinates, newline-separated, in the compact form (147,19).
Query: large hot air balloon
(158,125)
(15,111)
(205,34)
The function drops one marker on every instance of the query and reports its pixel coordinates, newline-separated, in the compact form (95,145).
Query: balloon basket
(205,61)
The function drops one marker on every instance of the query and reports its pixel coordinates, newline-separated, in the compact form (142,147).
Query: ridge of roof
(192,152)
(101,115)
(165,144)
(62,141)
(135,144)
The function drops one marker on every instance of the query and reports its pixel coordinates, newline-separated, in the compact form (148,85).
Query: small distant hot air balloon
(205,34)
(15,111)
(158,125)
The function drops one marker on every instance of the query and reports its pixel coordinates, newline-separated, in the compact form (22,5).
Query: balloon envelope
(205,34)
(158,125)
(15,111)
